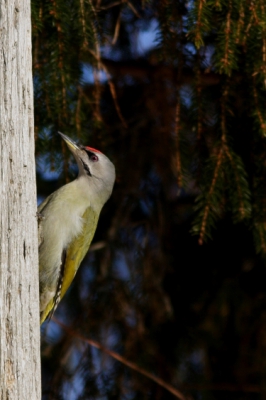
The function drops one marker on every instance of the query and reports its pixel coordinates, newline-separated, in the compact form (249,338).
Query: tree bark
(19,285)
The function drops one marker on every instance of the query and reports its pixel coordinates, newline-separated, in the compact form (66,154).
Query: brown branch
(227,32)
(114,96)
(97,246)
(123,360)
(254,16)
(213,183)
(83,23)
(114,4)
(35,52)
(130,5)
(242,207)
(260,116)
(112,88)
(260,227)
(198,22)
(117,29)
(240,23)
(97,56)
(223,113)
(263,67)
(60,60)
(97,112)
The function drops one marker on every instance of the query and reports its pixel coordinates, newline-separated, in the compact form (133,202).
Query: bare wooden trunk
(19,297)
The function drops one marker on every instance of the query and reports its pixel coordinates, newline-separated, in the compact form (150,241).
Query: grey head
(95,169)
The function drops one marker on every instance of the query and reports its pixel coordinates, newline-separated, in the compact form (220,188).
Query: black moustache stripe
(86,168)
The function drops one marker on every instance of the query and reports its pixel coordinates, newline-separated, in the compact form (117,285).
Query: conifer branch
(83,24)
(254,16)
(223,119)
(35,53)
(238,187)
(263,49)
(227,58)
(260,227)
(258,111)
(227,35)
(97,92)
(198,34)
(206,211)
(240,23)
(253,10)
(60,61)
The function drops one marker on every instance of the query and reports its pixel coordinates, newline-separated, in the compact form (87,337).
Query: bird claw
(40,216)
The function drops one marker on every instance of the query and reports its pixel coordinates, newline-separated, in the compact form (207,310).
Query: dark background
(173,92)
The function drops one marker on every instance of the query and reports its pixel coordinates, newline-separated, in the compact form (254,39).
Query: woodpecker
(67,220)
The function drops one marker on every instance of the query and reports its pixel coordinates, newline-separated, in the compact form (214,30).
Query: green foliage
(200,21)
(210,202)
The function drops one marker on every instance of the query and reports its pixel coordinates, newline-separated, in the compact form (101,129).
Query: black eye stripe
(92,156)
(89,153)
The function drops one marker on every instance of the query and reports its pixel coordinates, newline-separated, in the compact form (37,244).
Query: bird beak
(70,143)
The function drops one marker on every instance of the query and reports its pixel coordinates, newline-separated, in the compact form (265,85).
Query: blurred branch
(98,245)
(130,5)
(111,86)
(114,4)
(142,69)
(97,92)
(117,29)
(123,360)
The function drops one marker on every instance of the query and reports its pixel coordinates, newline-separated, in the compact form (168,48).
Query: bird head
(93,166)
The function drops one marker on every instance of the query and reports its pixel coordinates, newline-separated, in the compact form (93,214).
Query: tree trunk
(19,291)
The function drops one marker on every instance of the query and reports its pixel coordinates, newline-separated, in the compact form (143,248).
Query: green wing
(75,253)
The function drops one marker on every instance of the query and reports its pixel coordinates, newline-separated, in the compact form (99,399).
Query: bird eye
(93,157)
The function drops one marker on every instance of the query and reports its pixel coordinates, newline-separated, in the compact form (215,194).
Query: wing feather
(74,254)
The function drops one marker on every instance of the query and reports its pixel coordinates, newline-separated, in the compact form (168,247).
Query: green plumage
(75,253)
